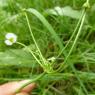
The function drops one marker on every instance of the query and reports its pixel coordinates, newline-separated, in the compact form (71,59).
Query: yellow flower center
(11,40)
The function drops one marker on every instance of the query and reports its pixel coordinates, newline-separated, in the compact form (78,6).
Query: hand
(11,87)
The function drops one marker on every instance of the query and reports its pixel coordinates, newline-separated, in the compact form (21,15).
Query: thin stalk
(30,52)
(87,1)
(29,82)
(77,36)
(41,56)
(72,34)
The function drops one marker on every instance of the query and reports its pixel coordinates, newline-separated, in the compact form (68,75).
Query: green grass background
(16,63)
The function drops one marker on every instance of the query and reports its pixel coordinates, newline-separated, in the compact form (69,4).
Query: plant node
(86,5)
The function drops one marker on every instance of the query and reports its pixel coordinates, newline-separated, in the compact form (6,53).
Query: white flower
(11,38)
(52,59)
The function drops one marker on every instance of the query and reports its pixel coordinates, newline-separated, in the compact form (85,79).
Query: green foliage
(58,39)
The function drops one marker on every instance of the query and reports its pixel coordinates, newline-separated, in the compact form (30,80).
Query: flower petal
(11,35)
(7,42)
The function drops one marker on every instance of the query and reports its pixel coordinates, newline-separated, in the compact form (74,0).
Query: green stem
(30,52)
(41,56)
(72,34)
(77,36)
(29,82)
(44,66)
(87,1)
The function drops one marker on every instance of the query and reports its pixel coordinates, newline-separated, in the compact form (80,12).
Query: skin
(11,87)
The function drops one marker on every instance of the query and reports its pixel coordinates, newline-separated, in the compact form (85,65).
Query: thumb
(11,87)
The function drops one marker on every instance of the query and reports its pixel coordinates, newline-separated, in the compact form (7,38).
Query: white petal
(11,35)
(7,42)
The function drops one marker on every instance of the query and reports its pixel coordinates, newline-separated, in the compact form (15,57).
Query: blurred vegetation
(16,63)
